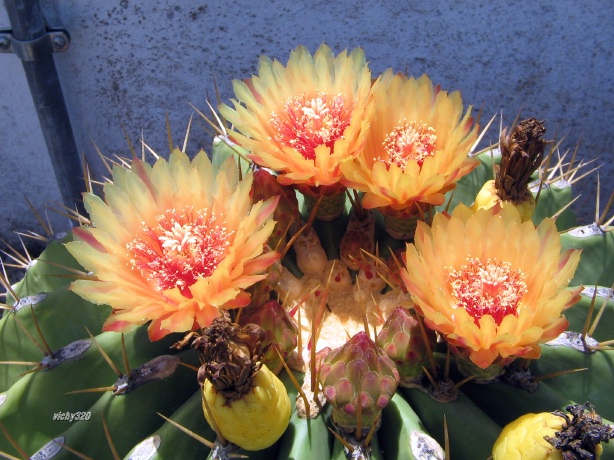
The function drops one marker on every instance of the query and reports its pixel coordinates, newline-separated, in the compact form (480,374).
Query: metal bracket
(55,40)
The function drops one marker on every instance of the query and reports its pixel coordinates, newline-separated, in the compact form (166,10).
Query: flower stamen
(308,122)
(183,246)
(409,141)
(488,288)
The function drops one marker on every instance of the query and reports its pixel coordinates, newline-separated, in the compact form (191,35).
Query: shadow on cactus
(344,277)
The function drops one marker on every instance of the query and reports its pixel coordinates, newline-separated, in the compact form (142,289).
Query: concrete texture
(132,63)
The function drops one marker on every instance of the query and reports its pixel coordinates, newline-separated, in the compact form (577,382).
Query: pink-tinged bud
(281,331)
(358,241)
(260,292)
(358,374)
(393,264)
(265,185)
(402,340)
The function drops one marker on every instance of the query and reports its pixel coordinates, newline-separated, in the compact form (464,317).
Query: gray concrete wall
(130,63)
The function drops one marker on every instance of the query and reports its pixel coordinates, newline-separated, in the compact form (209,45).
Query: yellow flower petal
(304,119)
(489,283)
(173,243)
(417,146)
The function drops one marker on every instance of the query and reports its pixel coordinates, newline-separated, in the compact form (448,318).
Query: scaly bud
(281,331)
(260,292)
(358,379)
(265,186)
(402,340)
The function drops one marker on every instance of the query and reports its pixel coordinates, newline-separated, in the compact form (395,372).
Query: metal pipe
(28,25)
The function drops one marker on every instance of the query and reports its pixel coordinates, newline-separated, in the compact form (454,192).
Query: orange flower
(305,119)
(172,243)
(417,146)
(491,284)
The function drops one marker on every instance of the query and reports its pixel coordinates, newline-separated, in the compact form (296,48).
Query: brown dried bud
(522,152)
(582,433)
(230,356)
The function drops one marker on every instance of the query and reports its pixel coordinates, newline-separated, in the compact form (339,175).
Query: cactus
(472,404)
(63,356)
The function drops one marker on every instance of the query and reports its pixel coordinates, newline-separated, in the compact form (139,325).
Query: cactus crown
(230,356)
(522,152)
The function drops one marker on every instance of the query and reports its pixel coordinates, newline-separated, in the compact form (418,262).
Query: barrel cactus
(343,268)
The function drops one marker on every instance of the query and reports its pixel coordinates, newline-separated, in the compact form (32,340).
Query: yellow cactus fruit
(242,399)
(523,439)
(257,419)
(522,152)
(487,198)
(559,435)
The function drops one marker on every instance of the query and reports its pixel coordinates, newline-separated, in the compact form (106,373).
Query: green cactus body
(60,303)
(158,395)
(169,441)
(597,264)
(43,277)
(29,402)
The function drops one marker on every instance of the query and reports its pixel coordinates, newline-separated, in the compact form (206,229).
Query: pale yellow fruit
(487,198)
(523,439)
(258,418)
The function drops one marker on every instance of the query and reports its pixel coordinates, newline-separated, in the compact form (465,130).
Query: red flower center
(183,246)
(488,288)
(308,122)
(409,141)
